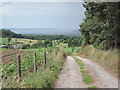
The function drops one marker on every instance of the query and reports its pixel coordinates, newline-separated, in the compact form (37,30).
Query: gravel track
(102,78)
(70,76)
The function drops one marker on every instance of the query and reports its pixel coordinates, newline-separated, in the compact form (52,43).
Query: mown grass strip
(86,77)
(92,87)
(79,62)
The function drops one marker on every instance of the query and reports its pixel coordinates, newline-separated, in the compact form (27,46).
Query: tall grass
(46,77)
(107,58)
(68,51)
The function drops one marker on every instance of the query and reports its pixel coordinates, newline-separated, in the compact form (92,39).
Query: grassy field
(21,41)
(4,41)
(28,49)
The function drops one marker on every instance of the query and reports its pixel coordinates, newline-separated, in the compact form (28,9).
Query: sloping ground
(101,78)
(70,76)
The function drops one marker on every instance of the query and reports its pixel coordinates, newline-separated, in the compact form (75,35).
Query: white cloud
(41,15)
(0,15)
(21,9)
(31,9)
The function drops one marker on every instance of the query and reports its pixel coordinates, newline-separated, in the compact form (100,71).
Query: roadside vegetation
(107,58)
(87,79)
(69,51)
(100,31)
(46,77)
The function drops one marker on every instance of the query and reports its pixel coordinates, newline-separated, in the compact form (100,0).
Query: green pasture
(28,49)
(20,41)
(4,41)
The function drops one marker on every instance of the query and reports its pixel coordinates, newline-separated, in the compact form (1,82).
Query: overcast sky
(42,17)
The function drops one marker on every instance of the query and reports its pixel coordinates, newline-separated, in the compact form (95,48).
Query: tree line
(101,25)
(43,40)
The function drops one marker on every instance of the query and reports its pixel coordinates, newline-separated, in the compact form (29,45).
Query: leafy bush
(25,46)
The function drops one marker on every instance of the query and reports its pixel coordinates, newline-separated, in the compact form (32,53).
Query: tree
(47,43)
(100,26)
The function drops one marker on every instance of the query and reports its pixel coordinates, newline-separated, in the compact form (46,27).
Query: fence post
(45,58)
(19,68)
(35,64)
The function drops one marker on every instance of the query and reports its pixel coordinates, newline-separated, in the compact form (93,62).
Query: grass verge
(46,77)
(106,58)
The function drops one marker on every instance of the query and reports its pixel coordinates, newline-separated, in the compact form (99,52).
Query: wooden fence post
(19,68)
(45,58)
(35,63)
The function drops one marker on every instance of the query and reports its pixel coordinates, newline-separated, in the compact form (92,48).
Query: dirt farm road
(71,76)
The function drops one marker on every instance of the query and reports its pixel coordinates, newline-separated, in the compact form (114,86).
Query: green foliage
(74,42)
(28,49)
(68,51)
(79,62)
(26,64)
(100,26)
(45,43)
(107,58)
(9,34)
(25,46)
(86,77)
(92,87)
(46,77)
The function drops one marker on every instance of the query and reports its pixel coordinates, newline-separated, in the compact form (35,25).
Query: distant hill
(9,34)
(50,35)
